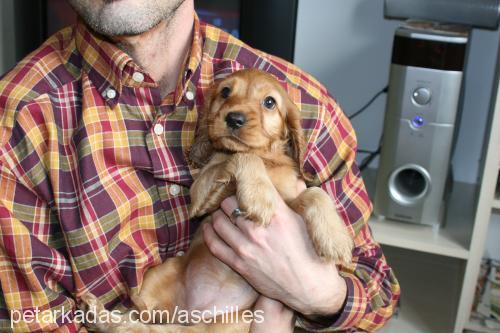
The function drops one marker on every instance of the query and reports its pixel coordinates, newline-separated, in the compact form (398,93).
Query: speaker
(476,13)
(421,113)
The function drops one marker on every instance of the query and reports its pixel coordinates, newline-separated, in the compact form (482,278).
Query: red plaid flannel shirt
(91,195)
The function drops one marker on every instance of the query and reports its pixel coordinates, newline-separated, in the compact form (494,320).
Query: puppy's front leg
(326,229)
(211,186)
(256,194)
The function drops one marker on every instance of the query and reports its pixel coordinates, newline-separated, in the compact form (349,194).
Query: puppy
(250,143)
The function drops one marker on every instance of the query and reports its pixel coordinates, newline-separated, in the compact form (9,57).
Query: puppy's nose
(235,120)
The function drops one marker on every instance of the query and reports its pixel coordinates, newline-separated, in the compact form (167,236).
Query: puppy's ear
(202,149)
(296,141)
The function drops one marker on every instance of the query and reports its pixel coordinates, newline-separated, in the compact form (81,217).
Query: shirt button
(175,189)
(158,129)
(138,77)
(110,93)
(180,253)
(190,95)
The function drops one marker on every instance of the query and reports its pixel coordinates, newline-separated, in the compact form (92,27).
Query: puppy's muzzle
(235,120)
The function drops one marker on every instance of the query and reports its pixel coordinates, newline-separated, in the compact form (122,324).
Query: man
(95,127)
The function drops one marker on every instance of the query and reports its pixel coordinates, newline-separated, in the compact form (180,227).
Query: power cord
(357,113)
(368,159)
(371,154)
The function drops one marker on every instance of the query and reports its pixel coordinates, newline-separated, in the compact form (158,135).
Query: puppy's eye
(224,93)
(269,103)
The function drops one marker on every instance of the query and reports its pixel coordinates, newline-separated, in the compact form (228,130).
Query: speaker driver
(409,184)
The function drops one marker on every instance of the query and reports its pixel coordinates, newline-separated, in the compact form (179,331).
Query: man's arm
(372,288)
(34,274)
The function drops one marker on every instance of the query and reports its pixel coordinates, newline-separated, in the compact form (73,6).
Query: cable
(364,151)
(357,113)
(372,154)
(368,159)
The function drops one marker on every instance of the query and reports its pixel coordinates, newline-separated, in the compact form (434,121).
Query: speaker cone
(409,184)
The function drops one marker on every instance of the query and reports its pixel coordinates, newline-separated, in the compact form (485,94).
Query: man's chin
(119,27)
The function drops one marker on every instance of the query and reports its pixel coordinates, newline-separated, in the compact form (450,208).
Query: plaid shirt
(94,183)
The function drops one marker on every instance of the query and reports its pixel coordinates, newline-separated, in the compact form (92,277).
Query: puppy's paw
(335,246)
(94,310)
(200,208)
(89,302)
(98,319)
(326,229)
(207,199)
(258,207)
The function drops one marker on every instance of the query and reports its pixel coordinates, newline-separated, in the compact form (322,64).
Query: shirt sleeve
(35,275)
(372,288)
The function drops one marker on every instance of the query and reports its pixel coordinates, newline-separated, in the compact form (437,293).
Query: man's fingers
(227,231)
(219,248)
(229,205)
(232,237)
(247,227)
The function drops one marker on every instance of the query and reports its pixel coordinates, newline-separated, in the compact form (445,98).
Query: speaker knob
(421,96)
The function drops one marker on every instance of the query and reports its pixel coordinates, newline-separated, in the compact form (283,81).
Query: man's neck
(162,50)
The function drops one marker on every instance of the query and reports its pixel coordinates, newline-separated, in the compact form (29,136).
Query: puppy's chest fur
(217,179)
(284,177)
(280,169)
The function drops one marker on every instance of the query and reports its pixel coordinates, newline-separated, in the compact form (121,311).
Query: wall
(347,45)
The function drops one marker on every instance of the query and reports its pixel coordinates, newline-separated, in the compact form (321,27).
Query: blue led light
(417,122)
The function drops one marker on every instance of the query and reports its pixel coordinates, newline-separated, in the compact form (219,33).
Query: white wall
(347,45)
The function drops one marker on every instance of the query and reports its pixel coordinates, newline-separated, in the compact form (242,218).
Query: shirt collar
(102,61)
(187,79)
(109,68)
(196,48)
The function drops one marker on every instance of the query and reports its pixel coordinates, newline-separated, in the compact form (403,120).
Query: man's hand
(277,318)
(279,261)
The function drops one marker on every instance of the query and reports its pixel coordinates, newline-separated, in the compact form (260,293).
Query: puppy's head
(249,111)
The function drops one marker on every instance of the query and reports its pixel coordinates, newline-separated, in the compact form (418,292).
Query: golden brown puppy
(250,143)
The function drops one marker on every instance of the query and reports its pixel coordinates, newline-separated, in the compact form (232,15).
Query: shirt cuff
(349,316)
